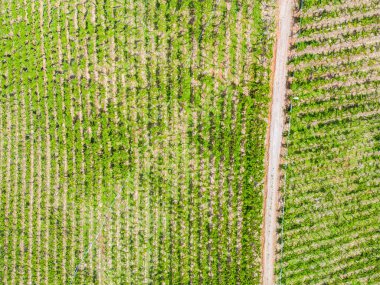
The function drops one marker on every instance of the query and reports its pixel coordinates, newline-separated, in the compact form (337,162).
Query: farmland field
(332,203)
(132,141)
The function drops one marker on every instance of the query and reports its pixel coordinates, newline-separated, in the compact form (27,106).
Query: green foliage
(332,163)
(132,141)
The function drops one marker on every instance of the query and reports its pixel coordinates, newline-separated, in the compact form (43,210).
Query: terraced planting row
(330,226)
(132,140)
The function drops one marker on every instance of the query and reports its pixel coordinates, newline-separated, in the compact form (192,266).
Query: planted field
(132,141)
(332,203)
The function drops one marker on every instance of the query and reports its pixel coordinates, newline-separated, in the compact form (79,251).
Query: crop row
(330,9)
(332,161)
(327,25)
(132,141)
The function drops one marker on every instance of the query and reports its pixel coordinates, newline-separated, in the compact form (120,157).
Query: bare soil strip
(284,25)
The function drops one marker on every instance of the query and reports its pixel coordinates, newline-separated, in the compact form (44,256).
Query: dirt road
(275,137)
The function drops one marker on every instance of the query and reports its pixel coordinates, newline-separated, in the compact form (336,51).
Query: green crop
(332,165)
(132,141)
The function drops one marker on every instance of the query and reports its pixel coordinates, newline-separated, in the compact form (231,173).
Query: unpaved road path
(276,127)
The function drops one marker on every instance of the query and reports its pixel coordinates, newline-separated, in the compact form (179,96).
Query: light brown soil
(276,127)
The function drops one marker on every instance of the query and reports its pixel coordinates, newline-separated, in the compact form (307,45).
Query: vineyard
(132,140)
(141,142)
(330,227)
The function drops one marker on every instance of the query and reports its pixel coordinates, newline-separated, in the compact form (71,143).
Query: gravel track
(275,137)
